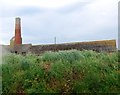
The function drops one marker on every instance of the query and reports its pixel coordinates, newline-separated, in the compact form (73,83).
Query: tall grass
(70,71)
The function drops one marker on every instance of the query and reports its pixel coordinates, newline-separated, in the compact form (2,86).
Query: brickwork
(107,46)
(99,46)
(18,39)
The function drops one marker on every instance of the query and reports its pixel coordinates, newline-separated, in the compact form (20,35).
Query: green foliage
(69,56)
(61,72)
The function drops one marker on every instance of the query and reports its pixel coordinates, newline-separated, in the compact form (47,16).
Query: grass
(61,72)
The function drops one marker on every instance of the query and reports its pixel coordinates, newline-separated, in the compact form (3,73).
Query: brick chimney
(18,38)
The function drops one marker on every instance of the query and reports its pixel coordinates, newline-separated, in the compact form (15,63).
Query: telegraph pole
(55,43)
(55,40)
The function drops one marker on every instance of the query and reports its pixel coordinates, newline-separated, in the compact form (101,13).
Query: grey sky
(68,20)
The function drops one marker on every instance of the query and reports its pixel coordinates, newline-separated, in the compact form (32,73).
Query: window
(23,53)
(16,52)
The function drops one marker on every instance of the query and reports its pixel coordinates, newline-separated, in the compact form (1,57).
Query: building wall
(106,45)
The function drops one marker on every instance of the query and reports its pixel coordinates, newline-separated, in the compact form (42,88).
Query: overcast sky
(67,20)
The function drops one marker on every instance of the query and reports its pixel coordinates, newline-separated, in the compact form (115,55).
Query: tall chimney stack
(18,38)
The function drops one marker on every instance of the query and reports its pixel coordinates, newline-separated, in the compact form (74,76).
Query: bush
(61,72)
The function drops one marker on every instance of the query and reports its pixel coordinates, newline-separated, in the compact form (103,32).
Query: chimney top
(17,20)
(17,17)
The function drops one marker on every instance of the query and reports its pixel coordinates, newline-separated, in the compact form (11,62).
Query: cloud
(75,7)
(72,21)
(30,11)
(41,3)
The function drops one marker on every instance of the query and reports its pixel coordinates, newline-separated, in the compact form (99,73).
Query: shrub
(61,72)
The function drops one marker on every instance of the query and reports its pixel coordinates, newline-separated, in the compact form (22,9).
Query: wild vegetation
(61,72)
